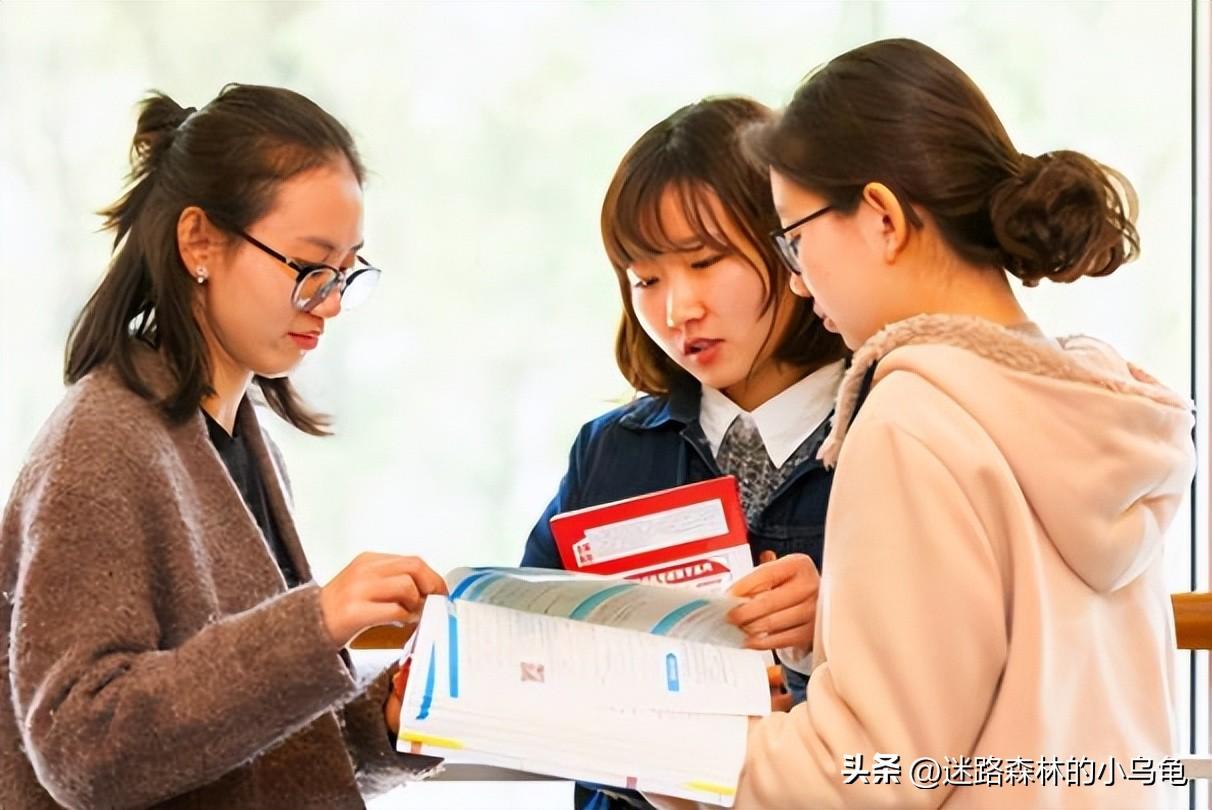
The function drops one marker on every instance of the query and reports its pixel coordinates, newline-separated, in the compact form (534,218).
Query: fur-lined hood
(1090,443)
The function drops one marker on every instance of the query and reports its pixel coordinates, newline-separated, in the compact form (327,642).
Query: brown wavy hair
(227,158)
(900,113)
(696,151)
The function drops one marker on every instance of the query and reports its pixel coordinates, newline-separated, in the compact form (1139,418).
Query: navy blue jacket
(655,443)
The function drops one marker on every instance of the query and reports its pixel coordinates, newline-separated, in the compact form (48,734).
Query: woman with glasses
(994,627)
(740,376)
(165,643)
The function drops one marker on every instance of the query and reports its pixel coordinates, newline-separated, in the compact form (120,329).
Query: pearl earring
(200,275)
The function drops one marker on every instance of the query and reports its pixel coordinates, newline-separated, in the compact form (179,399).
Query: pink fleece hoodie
(993,582)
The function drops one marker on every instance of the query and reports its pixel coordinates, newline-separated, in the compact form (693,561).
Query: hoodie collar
(1021,348)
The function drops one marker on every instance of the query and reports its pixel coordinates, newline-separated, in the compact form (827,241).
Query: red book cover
(689,535)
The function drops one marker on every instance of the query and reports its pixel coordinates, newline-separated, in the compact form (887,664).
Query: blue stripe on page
(454,656)
(469,581)
(582,610)
(666,624)
(474,593)
(427,699)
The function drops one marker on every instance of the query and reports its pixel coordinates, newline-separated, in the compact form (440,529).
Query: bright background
(491,131)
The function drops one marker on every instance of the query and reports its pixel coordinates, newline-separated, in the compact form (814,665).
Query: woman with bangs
(738,374)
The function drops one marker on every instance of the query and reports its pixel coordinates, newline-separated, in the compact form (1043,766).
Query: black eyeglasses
(315,281)
(789,249)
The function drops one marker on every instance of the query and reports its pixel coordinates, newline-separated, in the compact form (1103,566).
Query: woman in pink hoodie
(994,627)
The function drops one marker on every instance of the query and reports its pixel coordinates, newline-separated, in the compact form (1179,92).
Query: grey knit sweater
(154,654)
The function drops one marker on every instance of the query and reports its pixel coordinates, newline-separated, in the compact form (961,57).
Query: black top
(242,468)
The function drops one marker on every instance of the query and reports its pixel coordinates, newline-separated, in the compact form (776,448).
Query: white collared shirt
(784,421)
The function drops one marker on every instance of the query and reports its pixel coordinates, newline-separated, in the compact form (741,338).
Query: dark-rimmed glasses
(789,248)
(315,281)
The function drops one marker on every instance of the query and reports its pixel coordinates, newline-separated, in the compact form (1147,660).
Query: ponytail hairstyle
(900,113)
(228,159)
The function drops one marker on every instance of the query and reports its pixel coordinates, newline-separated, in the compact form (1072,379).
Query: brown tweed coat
(154,656)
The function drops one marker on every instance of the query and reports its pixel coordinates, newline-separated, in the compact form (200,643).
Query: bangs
(633,228)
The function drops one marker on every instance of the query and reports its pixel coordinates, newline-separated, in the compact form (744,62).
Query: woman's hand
(376,589)
(395,699)
(781,607)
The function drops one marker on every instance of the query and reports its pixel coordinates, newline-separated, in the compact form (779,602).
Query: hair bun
(159,119)
(1062,216)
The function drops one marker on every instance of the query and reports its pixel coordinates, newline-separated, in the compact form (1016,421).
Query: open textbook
(692,535)
(583,677)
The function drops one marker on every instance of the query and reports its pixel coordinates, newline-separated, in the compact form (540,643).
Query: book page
(513,655)
(573,699)
(649,608)
(703,766)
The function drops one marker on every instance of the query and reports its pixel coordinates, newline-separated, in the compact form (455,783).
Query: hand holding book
(780,607)
(395,697)
(376,589)
(592,677)
(584,677)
